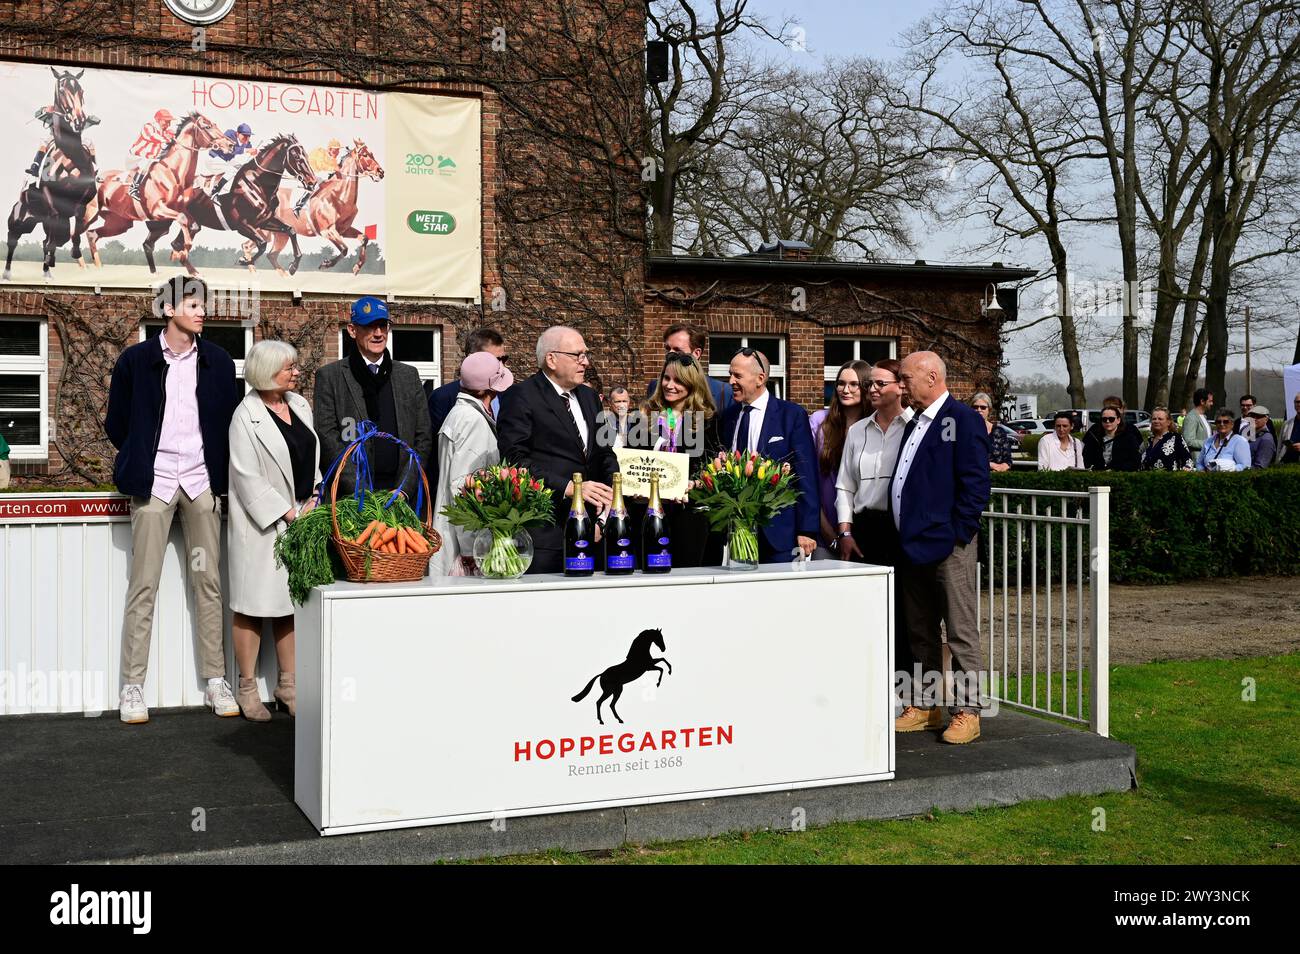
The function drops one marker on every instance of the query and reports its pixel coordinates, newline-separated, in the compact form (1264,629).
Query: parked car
(1084,418)
(1031,426)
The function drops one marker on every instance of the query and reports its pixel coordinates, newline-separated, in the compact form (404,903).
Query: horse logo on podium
(638,662)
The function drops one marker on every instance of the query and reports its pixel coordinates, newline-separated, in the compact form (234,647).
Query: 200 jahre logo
(427,164)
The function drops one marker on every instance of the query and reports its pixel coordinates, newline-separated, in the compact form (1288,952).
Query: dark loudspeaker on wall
(656,61)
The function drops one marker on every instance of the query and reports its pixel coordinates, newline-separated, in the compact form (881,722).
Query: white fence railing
(1044,585)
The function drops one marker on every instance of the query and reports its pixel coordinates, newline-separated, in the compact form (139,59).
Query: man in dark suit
(548,424)
(939,488)
(369,385)
(759,421)
(689,339)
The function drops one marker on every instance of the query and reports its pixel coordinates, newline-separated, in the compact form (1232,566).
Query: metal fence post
(1099,630)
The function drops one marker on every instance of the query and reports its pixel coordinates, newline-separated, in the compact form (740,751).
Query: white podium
(452,699)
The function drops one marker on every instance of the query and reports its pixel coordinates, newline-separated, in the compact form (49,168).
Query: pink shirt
(179,461)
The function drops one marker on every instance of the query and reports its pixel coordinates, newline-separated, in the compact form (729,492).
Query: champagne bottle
(654,534)
(578,559)
(620,560)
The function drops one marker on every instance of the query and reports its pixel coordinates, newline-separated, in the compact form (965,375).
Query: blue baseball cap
(368,309)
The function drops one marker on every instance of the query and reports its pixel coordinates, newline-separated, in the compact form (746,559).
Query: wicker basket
(364,565)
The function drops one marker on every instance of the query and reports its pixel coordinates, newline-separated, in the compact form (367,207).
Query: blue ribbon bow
(365,475)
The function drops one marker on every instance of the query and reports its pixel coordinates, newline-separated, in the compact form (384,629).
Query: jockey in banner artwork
(154,137)
(226,162)
(325,160)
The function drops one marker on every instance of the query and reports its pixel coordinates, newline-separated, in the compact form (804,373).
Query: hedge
(1166,527)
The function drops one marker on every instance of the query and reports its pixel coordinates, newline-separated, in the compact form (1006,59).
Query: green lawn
(1219,783)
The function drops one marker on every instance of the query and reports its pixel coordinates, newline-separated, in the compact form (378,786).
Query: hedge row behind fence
(1166,527)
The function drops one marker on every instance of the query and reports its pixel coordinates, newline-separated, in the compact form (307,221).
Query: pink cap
(482,371)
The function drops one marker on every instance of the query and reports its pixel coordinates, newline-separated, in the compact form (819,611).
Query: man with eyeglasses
(548,423)
(760,422)
(689,339)
(369,385)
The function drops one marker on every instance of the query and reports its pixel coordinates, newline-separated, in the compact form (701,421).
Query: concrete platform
(192,788)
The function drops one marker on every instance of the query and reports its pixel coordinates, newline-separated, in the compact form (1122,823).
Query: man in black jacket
(169,408)
(548,424)
(369,385)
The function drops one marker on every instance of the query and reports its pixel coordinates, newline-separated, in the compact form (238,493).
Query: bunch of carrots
(388,539)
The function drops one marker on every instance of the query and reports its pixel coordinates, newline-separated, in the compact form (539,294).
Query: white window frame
(248,337)
(39,366)
(776,373)
(829,371)
(428,370)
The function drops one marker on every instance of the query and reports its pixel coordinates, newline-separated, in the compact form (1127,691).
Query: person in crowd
(1288,448)
(467,442)
(274,479)
(759,421)
(443,399)
(1196,424)
(679,417)
(1112,444)
(1264,447)
(4,463)
(1165,449)
(1244,425)
(830,427)
(1226,450)
(691,339)
(1060,450)
(939,488)
(1002,443)
(170,401)
(613,421)
(369,385)
(862,488)
(547,423)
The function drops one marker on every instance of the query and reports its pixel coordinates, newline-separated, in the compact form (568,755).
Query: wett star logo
(639,661)
(77,907)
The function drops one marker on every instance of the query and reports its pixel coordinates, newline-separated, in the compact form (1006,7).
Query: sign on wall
(120,179)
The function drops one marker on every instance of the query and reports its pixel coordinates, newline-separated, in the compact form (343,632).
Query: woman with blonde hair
(830,428)
(274,478)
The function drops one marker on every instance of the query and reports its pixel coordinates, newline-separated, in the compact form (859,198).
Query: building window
(233,337)
(421,348)
(838,351)
(24,392)
(723,347)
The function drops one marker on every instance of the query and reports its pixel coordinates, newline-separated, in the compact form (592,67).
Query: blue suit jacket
(786,436)
(947,485)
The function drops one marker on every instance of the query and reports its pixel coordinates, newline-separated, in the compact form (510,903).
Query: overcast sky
(845,28)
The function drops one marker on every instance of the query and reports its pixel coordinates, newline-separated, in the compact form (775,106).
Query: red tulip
(775,479)
(708,481)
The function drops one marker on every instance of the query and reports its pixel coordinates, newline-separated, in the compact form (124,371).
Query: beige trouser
(944,591)
(151,523)
(4,474)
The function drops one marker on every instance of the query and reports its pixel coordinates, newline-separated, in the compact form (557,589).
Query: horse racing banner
(119,179)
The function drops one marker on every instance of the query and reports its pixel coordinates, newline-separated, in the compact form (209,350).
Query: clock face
(200,12)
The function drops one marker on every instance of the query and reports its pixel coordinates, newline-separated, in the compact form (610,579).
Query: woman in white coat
(274,476)
(466,443)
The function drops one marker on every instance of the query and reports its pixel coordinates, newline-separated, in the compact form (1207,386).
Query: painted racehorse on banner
(67,177)
(248,206)
(165,182)
(330,211)
(639,661)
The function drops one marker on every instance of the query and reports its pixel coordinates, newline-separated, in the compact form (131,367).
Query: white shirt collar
(906,415)
(931,412)
(760,403)
(558,390)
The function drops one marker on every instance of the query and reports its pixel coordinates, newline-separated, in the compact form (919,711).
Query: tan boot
(249,703)
(286,693)
(916,720)
(964,727)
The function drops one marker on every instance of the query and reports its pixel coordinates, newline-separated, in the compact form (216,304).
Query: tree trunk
(1162,333)
(1183,380)
(1069,337)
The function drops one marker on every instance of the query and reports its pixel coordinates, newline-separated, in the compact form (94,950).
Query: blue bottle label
(623,542)
(663,541)
(580,544)
(659,559)
(621,562)
(579,563)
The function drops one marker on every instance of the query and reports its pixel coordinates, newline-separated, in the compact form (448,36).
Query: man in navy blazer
(691,339)
(939,488)
(759,421)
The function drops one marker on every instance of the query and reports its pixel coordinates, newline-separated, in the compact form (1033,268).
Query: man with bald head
(548,423)
(939,488)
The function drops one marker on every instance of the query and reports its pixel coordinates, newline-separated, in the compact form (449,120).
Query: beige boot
(286,692)
(249,703)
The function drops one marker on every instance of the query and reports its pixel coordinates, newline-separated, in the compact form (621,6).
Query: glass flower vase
(503,556)
(742,547)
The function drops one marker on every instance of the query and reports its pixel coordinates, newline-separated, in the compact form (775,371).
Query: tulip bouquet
(740,492)
(504,500)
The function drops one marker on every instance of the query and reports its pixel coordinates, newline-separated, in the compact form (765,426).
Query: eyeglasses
(1226,422)
(504,359)
(980,407)
(849,385)
(1109,420)
(879,385)
(578,356)
(756,354)
(678,357)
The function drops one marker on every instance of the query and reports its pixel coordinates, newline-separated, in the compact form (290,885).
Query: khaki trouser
(944,591)
(151,523)
(4,474)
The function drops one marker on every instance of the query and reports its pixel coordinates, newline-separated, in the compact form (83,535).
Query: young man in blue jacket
(169,409)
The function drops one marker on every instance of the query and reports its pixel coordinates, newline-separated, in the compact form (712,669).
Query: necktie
(742,429)
(568,402)
(374,369)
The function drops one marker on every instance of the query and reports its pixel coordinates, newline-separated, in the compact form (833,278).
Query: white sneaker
(221,698)
(131,708)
